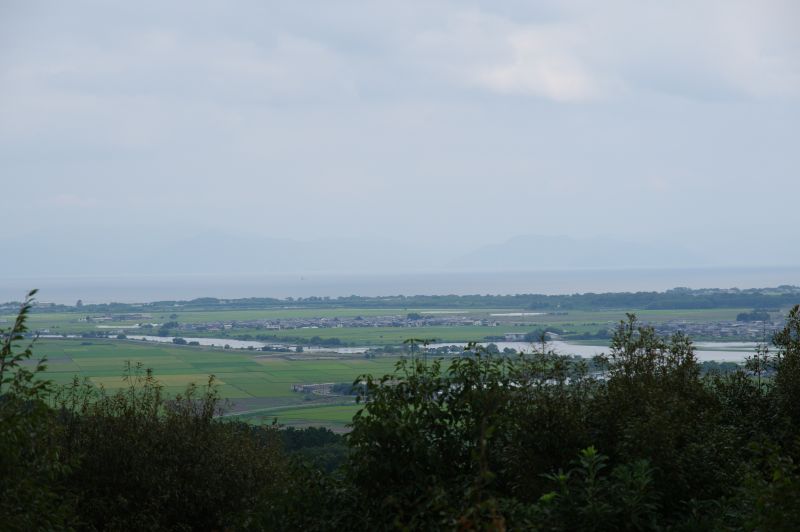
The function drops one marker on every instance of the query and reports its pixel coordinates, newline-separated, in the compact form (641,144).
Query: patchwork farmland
(259,386)
(301,346)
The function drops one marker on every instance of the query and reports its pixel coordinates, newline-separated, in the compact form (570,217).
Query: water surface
(145,288)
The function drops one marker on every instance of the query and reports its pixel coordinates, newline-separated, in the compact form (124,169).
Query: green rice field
(258,385)
(70,322)
(333,415)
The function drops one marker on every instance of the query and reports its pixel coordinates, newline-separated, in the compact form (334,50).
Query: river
(719,351)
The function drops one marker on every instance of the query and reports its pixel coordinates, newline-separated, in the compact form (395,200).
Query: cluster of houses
(739,330)
(319,389)
(754,331)
(446,320)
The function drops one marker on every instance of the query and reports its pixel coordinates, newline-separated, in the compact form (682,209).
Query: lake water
(144,288)
(721,352)
(244,344)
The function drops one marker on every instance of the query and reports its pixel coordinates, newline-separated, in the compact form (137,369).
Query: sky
(281,136)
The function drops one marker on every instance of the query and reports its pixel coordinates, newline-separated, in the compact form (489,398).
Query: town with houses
(112,324)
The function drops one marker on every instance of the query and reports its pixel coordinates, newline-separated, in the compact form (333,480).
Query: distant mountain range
(220,253)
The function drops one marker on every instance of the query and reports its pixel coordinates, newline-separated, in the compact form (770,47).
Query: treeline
(485,441)
(756,315)
(678,298)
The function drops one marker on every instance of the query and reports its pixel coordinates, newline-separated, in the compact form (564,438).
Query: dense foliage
(756,315)
(639,440)
(676,298)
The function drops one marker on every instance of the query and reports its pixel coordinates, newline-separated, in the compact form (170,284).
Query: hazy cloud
(69,201)
(505,57)
(432,124)
(583,53)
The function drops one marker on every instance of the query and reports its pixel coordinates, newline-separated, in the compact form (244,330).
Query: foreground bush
(482,442)
(148,463)
(30,464)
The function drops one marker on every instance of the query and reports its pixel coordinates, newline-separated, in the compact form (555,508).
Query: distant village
(754,331)
(711,330)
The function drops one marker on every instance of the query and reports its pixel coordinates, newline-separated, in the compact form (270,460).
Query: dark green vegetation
(677,298)
(756,315)
(484,441)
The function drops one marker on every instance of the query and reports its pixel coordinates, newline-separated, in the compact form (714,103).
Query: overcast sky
(455,124)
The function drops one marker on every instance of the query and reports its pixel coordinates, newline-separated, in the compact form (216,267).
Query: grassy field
(256,384)
(336,416)
(697,315)
(574,321)
(70,322)
(396,335)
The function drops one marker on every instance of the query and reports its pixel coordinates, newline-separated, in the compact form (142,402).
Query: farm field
(335,416)
(502,321)
(256,384)
(396,335)
(74,322)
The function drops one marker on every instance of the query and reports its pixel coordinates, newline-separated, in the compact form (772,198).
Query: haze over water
(133,289)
